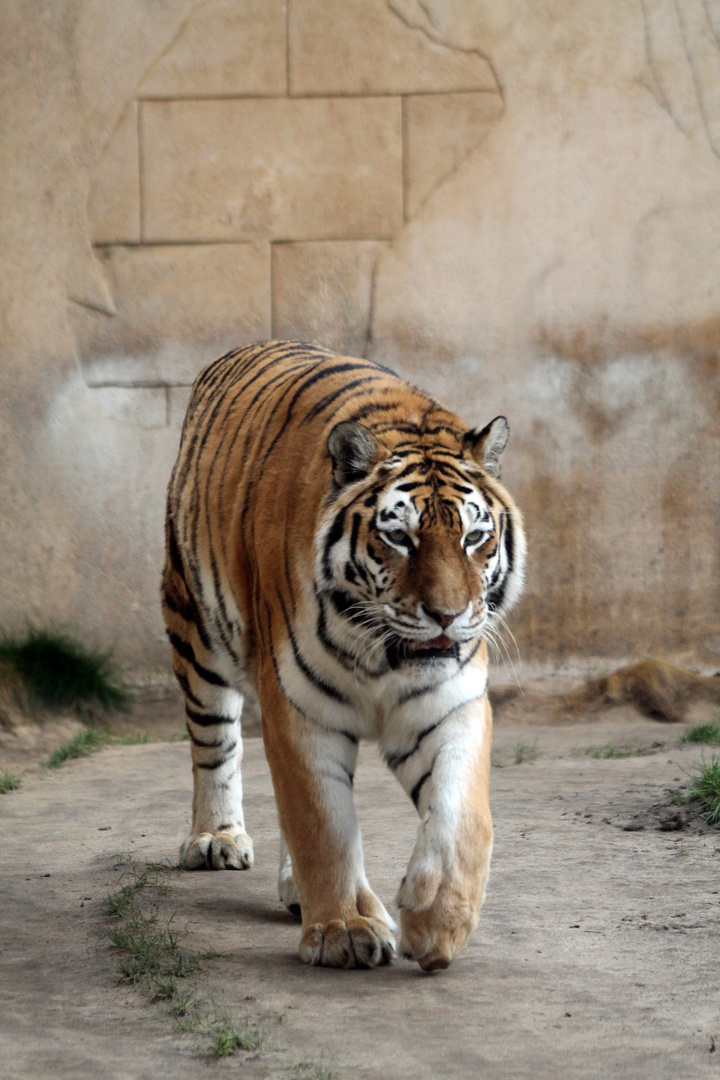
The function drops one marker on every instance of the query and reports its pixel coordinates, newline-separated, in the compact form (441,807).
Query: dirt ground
(597,954)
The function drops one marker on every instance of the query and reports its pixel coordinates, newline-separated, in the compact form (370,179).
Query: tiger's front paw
(217,851)
(435,935)
(355,943)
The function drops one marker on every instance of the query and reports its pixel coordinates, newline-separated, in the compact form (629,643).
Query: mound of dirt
(666,816)
(656,689)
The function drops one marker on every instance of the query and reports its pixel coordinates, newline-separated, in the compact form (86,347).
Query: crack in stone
(436,37)
(446,177)
(433,35)
(659,89)
(371,307)
(95,266)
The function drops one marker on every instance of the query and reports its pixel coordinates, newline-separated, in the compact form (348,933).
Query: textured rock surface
(516,204)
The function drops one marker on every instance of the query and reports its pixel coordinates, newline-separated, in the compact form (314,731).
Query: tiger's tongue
(440,642)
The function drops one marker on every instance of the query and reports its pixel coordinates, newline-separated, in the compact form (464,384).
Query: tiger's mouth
(442,642)
(439,648)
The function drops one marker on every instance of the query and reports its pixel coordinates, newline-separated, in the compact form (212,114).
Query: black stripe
(356,523)
(174,551)
(340,654)
(419,465)
(317,376)
(335,534)
(394,761)
(307,671)
(222,761)
(415,793)
(188,610)
(397,425)
(442,427)
(348,779)
(199,742)
(330,731)
(471,654)
(417,692)
(328,400)
(497,595)
(373,407)
(346,606)
(207,719)
(359,568)
(185,649)
(185,687)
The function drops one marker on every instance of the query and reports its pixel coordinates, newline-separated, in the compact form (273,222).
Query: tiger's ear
(487,445)
(352,449)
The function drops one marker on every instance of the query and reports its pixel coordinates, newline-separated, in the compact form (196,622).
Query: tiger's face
(419,545)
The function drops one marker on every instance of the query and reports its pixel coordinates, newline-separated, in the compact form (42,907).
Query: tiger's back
(338,540)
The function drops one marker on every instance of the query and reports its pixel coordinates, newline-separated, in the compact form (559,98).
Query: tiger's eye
(473,537)
(397,536)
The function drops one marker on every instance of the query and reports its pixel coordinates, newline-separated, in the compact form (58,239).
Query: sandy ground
(597,954)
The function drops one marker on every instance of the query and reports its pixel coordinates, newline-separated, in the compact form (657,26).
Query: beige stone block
(280,169)
(227,47)
(441,130)
(114,205)
(178,308)
(322,292)
(367,48)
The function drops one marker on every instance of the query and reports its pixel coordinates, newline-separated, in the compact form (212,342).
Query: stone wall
(517,205)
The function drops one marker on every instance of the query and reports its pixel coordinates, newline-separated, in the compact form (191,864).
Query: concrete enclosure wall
(515,204)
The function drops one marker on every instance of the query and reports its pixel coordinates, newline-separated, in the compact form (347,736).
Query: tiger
(339,545)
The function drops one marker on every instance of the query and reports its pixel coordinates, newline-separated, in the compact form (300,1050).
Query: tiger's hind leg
(217,839)
(287,889)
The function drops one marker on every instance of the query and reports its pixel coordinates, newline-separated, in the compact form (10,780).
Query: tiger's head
(420,544)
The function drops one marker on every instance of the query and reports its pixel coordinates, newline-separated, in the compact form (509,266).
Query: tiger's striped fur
(339,542)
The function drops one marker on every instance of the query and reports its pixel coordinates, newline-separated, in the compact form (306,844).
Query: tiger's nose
(442,617)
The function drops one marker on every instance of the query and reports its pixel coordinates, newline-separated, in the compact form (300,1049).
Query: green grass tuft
(163,989)
(59,673)
(525,752)
(609,751)
(9,781)
(705,786)
(85,742)
(88,741)
(612,752)
(131,738)
(186,1008)
(709,734)
(227,1039)
(314,1070)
